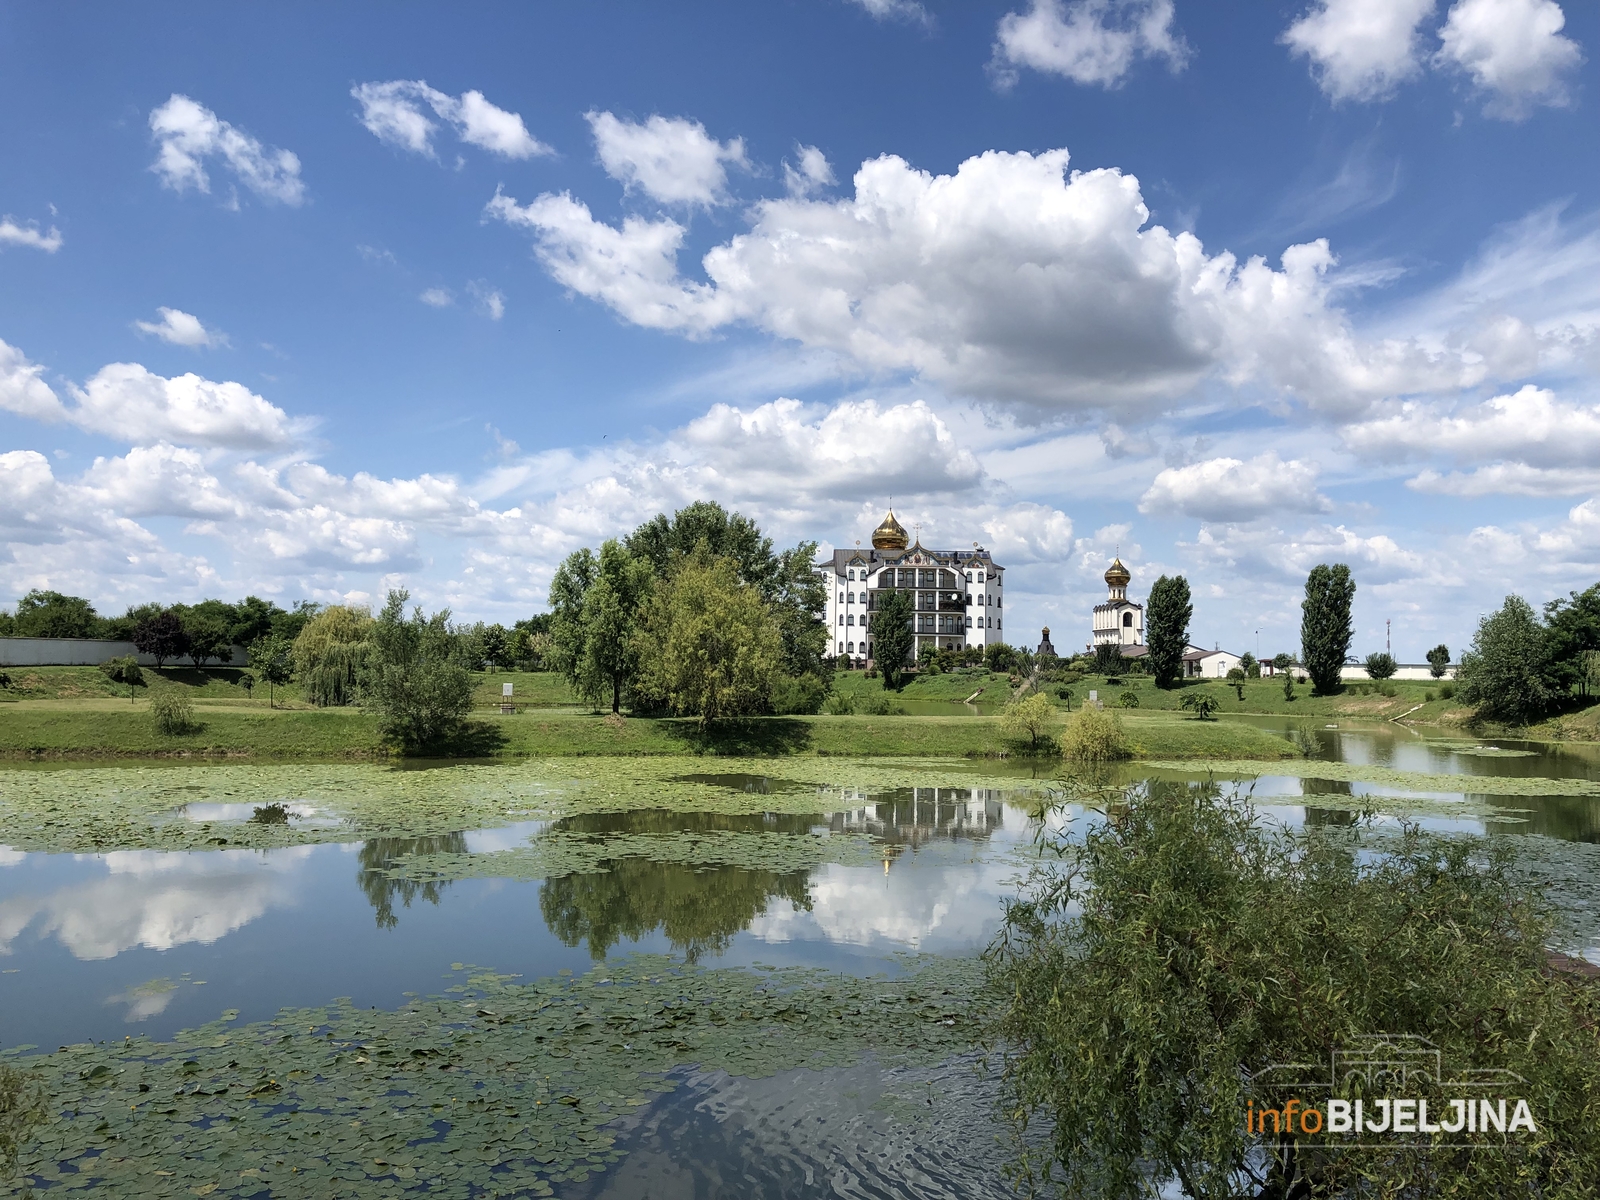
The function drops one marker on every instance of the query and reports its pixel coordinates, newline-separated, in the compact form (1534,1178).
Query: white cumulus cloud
(1010,280)
(906,10)
(393,112)
(181,329)
(1361,49)
(437,297)
(1231,490)
(1513,50)
(670,159)
(1530,425)
(810,174)
(1087,41)
(13,233)
(188,133)
(129,402)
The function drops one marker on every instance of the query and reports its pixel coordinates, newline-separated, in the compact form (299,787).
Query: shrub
(1030,719)
(878,705)
(793,694)
(123,670)
(172,712)
(1129,700)
(838,705)
(1380,665)
(1149,977)
(1447,691)
(1093,735)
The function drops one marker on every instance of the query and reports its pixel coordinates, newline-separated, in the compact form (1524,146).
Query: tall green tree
(708,645)
(1325,629)
(1573,626)
(413,677)
(723,534)
(610,658)
(892,634)
(569,588)
(1167,627)
(208,638)
(1507,673)
(798,600)
(44,614)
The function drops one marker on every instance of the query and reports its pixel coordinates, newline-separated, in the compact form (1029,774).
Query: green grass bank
(60,730)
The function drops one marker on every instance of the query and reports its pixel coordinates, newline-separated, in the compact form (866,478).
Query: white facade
(958,595)
(1209,664)
(1416,672)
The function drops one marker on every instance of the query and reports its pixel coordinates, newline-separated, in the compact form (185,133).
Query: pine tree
(1325,631)
(1168,626)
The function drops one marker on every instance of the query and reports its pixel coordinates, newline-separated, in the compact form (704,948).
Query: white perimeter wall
(85,652)
(1416,671)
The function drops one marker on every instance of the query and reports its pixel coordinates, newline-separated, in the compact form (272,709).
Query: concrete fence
(87,652)
(1422,672)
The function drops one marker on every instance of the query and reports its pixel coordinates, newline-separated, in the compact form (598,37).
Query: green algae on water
(155,807)
(496,1087)
(1408,781)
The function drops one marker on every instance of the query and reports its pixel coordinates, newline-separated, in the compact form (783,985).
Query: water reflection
(155,899)
(699,909)
(377,855)
(910,817)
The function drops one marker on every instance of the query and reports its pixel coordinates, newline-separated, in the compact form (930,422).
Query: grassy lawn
(104,728)
(1266,696)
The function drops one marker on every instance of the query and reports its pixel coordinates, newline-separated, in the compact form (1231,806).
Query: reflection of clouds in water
(509,837)
(157,899)
(147,1000)
(953,908)
(10,857)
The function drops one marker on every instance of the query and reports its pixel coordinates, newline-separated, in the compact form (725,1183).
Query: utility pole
(1387,648)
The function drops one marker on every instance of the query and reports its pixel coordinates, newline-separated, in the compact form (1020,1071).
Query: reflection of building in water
(914,816)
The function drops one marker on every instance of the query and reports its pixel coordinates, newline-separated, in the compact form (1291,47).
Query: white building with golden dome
(958,595)
(1119,621)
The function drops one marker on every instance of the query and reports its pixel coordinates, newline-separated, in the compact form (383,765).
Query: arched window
(850,619)
(841,618)
(852,576)
(1127,619)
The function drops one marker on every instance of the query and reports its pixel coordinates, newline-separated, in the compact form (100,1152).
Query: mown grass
(106,730)
(1265,696)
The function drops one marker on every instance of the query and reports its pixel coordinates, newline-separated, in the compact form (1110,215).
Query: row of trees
(694,614)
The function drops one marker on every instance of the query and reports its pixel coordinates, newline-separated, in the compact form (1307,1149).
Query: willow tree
(331,653)
(708,645)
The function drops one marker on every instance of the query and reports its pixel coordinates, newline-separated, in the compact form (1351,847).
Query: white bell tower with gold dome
(1119,621)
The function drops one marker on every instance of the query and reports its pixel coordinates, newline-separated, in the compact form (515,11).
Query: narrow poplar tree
(1325,631)
(1167,625)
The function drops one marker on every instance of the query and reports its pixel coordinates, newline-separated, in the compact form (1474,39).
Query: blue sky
(312,300)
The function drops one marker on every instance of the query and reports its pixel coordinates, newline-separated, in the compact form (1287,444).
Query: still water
(99,946)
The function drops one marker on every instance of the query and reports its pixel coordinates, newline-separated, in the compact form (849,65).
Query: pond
(145,901)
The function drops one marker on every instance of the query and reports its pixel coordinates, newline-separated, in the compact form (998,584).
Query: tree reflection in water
(700,909)
(379,854)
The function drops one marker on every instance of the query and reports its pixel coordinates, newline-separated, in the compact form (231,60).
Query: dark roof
(1110,604)
(874,559)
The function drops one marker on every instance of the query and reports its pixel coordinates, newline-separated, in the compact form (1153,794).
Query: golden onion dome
(1117,575)
(891,535)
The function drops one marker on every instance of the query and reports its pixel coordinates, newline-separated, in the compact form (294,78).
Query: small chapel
(1119,621)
